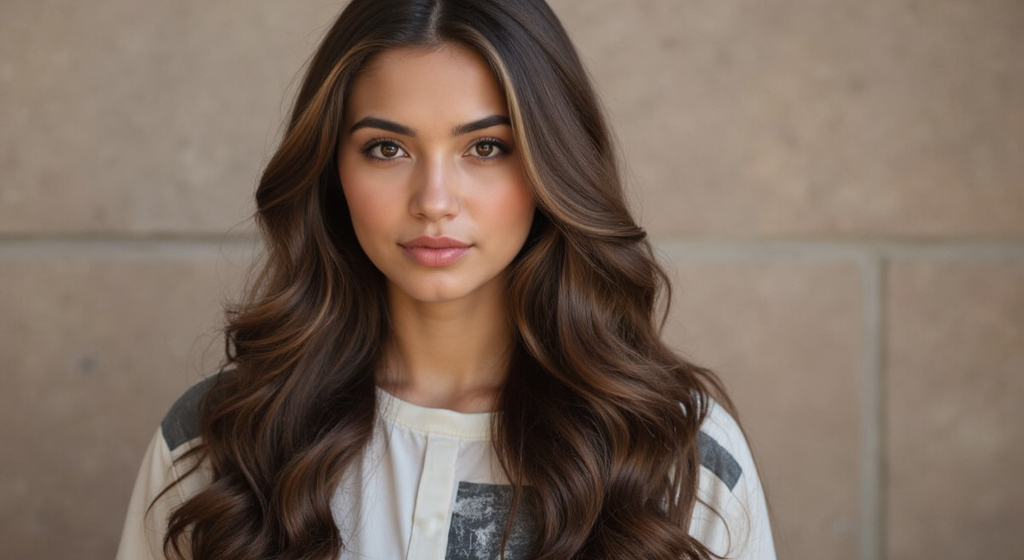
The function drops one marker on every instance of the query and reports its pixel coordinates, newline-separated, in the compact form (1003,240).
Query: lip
(435,251)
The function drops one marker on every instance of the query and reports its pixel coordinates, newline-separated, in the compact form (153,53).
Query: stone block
(955,383)
(94,351)
(155,117)
(785,336)
(793,118)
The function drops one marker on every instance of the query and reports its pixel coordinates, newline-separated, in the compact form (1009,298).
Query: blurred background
(837,187)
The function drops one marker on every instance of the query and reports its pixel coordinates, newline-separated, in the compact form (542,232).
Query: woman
(451,350)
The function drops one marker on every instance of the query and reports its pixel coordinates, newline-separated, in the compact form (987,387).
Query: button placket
(434,499)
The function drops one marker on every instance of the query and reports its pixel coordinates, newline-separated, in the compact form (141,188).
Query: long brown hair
(609,414)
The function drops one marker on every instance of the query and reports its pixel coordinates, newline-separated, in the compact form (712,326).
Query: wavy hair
(609,414)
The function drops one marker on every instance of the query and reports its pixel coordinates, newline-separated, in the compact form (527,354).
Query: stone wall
(837,187)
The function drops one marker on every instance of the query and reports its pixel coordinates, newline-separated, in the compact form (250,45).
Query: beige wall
(838,187)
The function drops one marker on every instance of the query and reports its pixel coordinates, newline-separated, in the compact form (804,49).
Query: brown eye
(487,148)
(484,149)
(383,150)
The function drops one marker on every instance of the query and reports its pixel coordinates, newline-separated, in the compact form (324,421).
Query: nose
(436,192)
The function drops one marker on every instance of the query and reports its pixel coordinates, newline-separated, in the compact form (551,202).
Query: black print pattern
(478,524)
(716,459)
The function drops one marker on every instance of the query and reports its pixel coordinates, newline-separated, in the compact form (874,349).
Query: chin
(426,293)
(444,290)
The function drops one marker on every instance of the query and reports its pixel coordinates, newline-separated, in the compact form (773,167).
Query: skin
(427,151)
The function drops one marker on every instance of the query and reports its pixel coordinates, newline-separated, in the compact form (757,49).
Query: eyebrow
(391,126)
(486,122)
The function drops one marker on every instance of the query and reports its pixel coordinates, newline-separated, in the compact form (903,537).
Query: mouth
(428,242)
(435,251)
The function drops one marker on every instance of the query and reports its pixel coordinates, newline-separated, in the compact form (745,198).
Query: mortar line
(86,247)
(689,249)
(872,454)
(116,237)
(674,248)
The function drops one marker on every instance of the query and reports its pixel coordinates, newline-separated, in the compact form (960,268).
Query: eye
(384,150)
(488,148)
(484,149)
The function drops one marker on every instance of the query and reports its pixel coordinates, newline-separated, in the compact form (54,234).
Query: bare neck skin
(451,354)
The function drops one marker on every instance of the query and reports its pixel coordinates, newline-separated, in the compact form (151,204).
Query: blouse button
(430,526)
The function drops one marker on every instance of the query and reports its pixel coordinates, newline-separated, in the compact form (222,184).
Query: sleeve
(731,516)
(145,527)
(166,458)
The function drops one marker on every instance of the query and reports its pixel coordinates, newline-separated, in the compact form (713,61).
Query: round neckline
(439,421)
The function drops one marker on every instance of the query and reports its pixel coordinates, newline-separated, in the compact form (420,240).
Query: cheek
(364,209)
(517,206)
(368,204)
(521,209)
(370,221)
(510,216)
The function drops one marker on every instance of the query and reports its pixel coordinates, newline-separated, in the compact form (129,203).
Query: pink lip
(435,251)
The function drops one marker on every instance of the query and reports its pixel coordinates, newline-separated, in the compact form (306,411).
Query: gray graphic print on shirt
(478,524)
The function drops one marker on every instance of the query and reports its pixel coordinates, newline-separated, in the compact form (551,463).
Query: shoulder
(723,448)
(731,516)
(168,477)
(182,423)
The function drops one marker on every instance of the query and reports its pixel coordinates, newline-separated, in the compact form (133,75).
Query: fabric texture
(430,487)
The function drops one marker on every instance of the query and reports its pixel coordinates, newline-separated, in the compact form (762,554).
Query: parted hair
(598,423)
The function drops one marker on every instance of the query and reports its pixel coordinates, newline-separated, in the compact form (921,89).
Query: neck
(450,355)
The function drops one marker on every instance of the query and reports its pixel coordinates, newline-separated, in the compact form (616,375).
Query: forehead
(450,81)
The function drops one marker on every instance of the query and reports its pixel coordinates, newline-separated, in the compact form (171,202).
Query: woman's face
(433,181)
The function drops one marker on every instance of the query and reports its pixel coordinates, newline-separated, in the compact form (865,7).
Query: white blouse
(430,487)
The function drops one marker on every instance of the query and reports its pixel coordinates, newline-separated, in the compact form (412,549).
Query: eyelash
(503,148)
(374,143)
